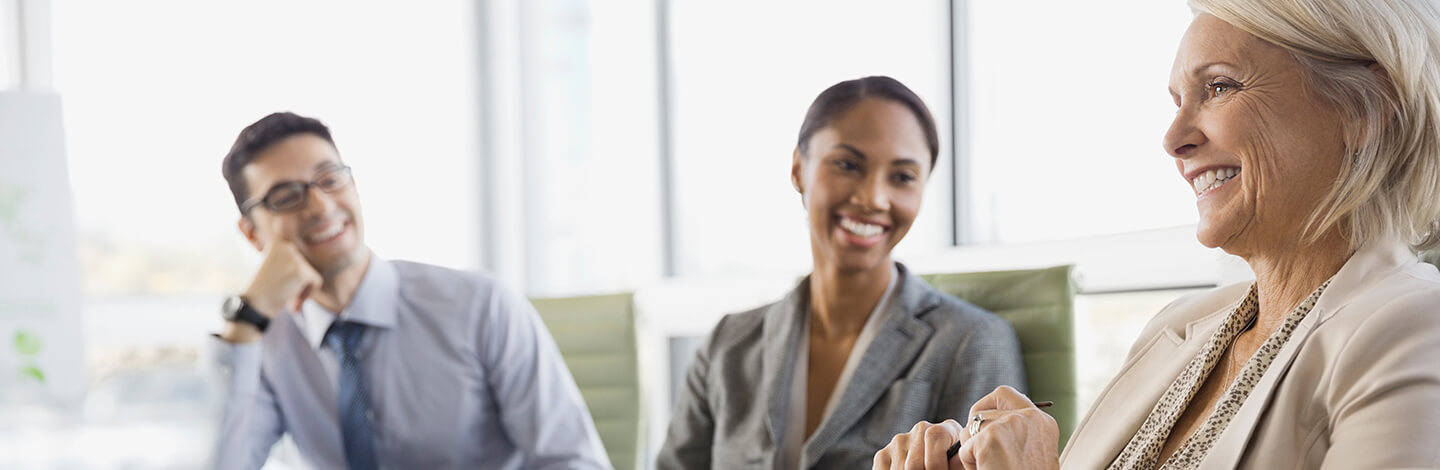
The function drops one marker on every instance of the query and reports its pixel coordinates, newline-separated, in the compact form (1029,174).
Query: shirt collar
(314,321)
(375,303)
(377,299)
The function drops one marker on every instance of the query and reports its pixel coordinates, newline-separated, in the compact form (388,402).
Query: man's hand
(282,284)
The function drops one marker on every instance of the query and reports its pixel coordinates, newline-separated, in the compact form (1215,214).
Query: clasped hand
(1014,434)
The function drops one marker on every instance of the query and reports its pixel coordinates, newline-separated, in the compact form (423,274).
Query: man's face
(327,227)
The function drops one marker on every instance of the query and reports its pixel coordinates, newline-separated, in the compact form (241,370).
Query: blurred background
(572,147)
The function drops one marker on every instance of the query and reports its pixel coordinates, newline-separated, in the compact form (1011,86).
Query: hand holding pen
(972,427)
(1010,432)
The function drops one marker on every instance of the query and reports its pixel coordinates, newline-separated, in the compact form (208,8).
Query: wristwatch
(236,308)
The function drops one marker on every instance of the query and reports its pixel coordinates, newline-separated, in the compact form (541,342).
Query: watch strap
(248,314)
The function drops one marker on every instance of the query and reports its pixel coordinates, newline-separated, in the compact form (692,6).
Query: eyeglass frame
(347,176)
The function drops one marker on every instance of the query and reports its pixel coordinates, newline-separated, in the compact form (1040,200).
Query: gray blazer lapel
(896,344)
(781,335)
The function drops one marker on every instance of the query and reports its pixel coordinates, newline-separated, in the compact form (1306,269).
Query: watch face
(231,307)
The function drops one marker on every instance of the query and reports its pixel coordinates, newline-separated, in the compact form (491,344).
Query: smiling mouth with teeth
(1212,179)
(861,228)
(326,235)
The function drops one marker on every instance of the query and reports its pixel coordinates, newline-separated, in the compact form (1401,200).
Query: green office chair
(1432,257)
(597,337)
(1040,305)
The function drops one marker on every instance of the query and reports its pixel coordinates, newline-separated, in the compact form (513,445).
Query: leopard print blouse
(1143,451)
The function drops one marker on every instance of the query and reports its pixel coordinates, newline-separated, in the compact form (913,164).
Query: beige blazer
(1357,386)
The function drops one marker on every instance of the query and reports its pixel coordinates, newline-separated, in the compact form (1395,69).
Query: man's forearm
(240,333)
(249,423)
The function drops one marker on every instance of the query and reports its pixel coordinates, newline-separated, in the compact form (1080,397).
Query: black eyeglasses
(291,196)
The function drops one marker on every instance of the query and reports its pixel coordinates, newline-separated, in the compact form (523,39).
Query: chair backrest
(1040,305)
(597,337)
(1432,257)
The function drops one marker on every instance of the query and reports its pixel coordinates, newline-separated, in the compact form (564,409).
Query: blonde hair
(1389,184)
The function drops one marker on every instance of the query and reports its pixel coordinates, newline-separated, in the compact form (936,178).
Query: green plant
(28,346)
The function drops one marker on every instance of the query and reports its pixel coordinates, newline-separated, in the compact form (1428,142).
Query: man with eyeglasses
(370,363)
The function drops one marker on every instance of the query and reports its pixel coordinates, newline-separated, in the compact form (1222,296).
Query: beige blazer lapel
(1225,453)
(1370,263)
(1117,413)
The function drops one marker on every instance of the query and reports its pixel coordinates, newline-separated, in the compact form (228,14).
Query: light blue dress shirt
(460,372)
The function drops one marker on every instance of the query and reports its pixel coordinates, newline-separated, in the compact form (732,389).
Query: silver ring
(975,423)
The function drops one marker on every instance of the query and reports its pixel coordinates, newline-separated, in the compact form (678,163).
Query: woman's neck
(1285,276)
(841,302)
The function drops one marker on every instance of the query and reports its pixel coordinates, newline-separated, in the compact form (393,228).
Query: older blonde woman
(1310,132)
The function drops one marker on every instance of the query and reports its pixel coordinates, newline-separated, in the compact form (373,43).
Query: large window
(153,94)
(590,148)
(1068,107)
(152,106)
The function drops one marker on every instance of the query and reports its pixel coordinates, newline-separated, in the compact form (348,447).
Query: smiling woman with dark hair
(862,348)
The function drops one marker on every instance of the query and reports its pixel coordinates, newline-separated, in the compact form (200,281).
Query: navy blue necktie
(355,431)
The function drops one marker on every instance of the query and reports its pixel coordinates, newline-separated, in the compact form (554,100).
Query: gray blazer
(934,357)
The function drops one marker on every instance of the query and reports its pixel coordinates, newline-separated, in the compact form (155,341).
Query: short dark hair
(841,96)
(259,136)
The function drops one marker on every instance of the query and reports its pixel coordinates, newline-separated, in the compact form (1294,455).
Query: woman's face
(1258,149)
(861,179)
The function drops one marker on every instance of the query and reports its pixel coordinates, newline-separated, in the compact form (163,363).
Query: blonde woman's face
(1258,150)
